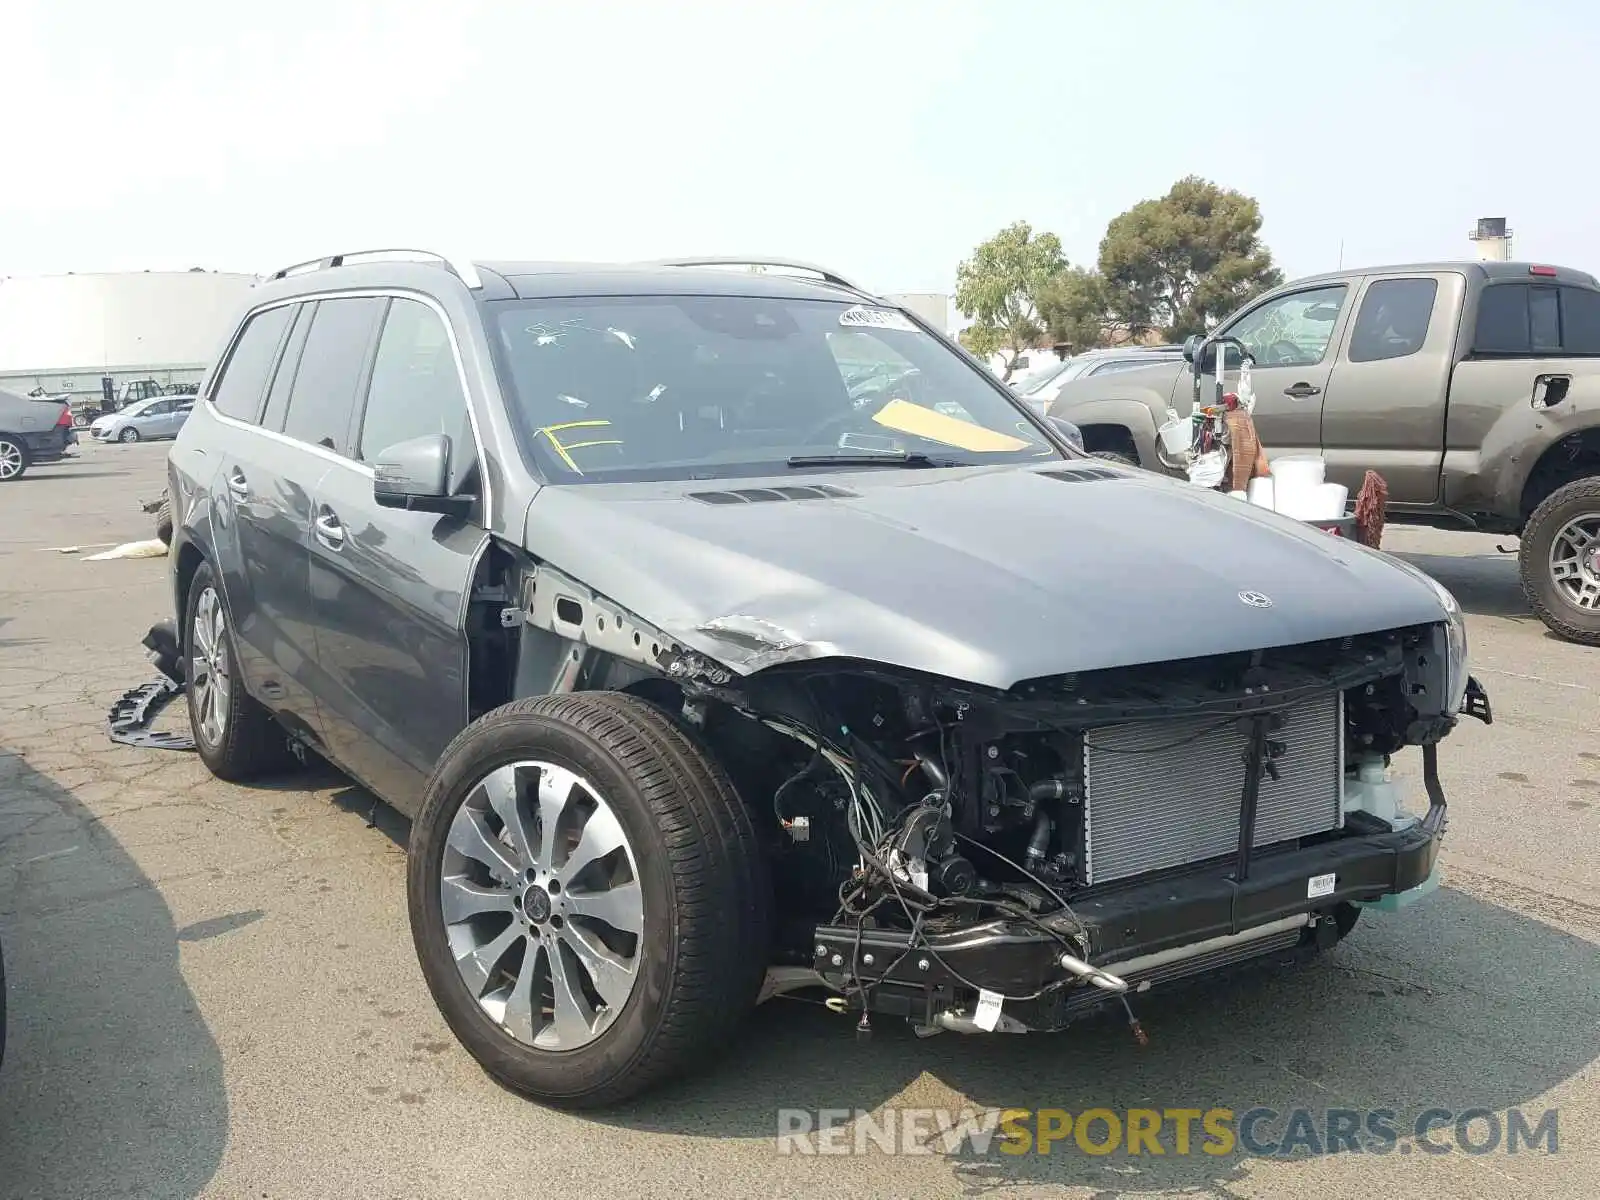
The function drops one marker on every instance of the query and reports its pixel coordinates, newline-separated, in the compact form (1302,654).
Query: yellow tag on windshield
(910,418)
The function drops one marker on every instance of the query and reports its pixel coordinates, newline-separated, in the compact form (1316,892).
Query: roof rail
(793,264)
(462,267)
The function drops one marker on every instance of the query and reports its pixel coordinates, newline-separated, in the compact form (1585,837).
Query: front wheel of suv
(1559,561)
(587,897)
(234,735)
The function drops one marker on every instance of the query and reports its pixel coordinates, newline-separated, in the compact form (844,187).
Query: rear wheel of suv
(587,896)
(1559,560)
(13,458)
(234,735)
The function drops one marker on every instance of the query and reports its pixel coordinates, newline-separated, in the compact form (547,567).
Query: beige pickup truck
(1472,388)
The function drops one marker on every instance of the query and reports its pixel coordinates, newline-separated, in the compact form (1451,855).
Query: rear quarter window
(239,392)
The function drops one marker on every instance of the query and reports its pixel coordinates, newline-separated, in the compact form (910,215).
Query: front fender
(1134,411)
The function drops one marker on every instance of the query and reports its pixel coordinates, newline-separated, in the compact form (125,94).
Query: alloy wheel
(209,677)
(1575,562)
(11,463)
(542,905)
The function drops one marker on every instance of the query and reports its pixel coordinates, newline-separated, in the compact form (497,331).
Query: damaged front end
(976,859)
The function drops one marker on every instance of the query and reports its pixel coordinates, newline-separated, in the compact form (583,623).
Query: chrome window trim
(383,293)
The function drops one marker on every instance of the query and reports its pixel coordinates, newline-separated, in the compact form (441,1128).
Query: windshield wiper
(859,458)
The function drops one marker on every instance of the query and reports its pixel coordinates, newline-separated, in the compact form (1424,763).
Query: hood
(991,575)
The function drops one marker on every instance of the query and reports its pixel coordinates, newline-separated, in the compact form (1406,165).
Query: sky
(883,138)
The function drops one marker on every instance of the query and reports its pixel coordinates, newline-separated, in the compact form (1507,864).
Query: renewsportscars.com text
(1178,1132)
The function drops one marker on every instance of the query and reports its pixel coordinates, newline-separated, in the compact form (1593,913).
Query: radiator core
(1164,793)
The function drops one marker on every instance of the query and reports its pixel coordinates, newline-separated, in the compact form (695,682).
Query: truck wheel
(164,520)
(1559,560)
(13,458)
(587,896)
(234,735)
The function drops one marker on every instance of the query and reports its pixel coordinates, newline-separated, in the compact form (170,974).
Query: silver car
(157,417)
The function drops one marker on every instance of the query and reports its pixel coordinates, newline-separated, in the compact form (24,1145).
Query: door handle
(329,530)
(237,485)
(1299,391)
(1550,390)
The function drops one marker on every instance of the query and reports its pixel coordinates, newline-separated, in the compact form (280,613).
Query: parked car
(702,681)
(1472,388)
(1041,388)
(32,430)
(157,417)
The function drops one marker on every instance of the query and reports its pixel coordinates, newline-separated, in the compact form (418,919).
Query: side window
(1503,320)
(323,395)
(288,364)
(1393,319)
(1580,320)
(1293,330)
(244,376)
(415,388)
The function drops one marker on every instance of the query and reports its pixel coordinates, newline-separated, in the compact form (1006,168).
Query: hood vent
(820,491)
(1081,474)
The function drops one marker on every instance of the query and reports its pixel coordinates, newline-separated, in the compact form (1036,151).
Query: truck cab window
(1393,319)
(1293,330)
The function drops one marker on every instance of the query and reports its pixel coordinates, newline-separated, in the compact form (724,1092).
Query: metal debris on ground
(130,717)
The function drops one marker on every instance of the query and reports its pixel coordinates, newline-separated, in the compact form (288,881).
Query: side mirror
(1068,432)
(415,475)
(1191,346)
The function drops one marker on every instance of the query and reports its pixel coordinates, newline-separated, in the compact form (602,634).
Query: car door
(390,586)
(1387,412)
(261,514)
(1291,337)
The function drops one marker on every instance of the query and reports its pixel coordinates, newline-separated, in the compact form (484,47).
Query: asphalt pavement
(213,990)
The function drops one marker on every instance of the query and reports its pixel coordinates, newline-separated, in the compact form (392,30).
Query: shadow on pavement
(1455,1004)
(1485,584)
(112,1084)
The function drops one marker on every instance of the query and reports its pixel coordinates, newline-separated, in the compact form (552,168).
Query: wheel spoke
(477,966)
(612,976)
(601,835)
(504,792)
(573,1022)
(463,899)
(469,836)
(555,790)
(621,907)
(519,1013)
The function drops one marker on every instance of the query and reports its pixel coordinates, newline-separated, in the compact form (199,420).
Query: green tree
(999,289)
(1074,307)
(1179,263)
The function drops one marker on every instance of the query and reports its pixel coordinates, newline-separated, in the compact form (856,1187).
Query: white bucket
(1327,502)
(1299,470)
(1176,436)
(1260,491)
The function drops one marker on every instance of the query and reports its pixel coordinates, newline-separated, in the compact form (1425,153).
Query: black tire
(164,520)
(1544,593)
(2,1008)
(251,742)
(699,862)
(1116,456)
(128,436)
(14,458)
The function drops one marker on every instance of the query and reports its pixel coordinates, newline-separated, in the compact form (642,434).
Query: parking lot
(213,989)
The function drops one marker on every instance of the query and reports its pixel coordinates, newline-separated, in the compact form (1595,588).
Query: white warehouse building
(68,333)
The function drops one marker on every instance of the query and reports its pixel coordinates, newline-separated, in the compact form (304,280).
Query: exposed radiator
(1164,793)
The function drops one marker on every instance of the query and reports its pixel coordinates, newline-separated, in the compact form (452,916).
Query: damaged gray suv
(730,632)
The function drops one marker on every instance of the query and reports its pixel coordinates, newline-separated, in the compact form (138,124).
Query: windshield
(676,387)
(138,406)
(1070,369)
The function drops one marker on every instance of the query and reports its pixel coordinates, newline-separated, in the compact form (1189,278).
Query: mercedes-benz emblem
(1256,599)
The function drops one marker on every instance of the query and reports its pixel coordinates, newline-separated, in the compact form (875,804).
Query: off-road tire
(10,446)
(164,520)
(706,940)
(1544,597)
(128,436)
(252,743)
